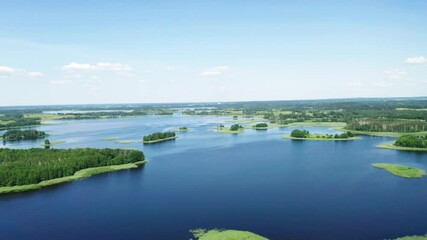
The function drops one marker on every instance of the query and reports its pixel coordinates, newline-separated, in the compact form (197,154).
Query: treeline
(387,125)
(11,120)
(412,141)
(236,127)
(20,167)
(158,136)
(15,134)
(95,115)
(300,133)
(261,125)
(306,134)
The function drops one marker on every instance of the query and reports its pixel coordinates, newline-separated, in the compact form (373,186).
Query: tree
(47,144)
(300,133)
(235,127)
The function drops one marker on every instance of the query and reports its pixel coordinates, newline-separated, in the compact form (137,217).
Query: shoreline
(391,146)
(228,131)
(81,174)
(159,140)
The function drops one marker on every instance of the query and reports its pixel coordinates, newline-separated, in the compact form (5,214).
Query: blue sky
(73,52)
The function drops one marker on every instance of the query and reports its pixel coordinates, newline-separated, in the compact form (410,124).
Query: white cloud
(59,81)
(6,71)
(101,66)
(219,70)
(395,73)
(35,74)
(382,84)
(355,84)
(416,60)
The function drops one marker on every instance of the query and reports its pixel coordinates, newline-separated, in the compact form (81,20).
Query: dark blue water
(281,189)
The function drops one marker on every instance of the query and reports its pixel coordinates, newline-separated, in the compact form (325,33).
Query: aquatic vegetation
(109,139)
(125,141)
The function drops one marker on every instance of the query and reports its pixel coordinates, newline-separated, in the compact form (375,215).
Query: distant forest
(376,115)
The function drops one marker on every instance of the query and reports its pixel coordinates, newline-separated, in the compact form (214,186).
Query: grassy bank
(401,170)
(319,137)
(160,140)
(381,134)
(215,234)
(390,145)
(84,173)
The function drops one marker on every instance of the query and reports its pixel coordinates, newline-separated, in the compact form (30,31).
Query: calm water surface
(256,181)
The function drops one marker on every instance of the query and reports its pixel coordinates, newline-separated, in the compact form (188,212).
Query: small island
(221,234)
(45,167)
(424,237)
(181,129)
(407,143)
(260,126)
(159,137)
(14,134)
(234,129)
(306,135)
(401,170)
(47,143)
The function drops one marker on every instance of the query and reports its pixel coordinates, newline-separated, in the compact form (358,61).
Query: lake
(255,181)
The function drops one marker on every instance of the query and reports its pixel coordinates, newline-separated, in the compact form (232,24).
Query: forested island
(16,134)
(159,137)
(181,129)
(234,129)
(408,143)
(22,170)
(260,126)
(306,135)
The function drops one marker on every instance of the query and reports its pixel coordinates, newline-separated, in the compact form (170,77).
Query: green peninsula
(45,167)
(401,170)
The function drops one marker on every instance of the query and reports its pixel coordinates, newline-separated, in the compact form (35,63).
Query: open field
(401,170)
(84,173)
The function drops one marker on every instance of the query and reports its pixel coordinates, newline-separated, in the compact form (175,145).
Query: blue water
(256,181)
